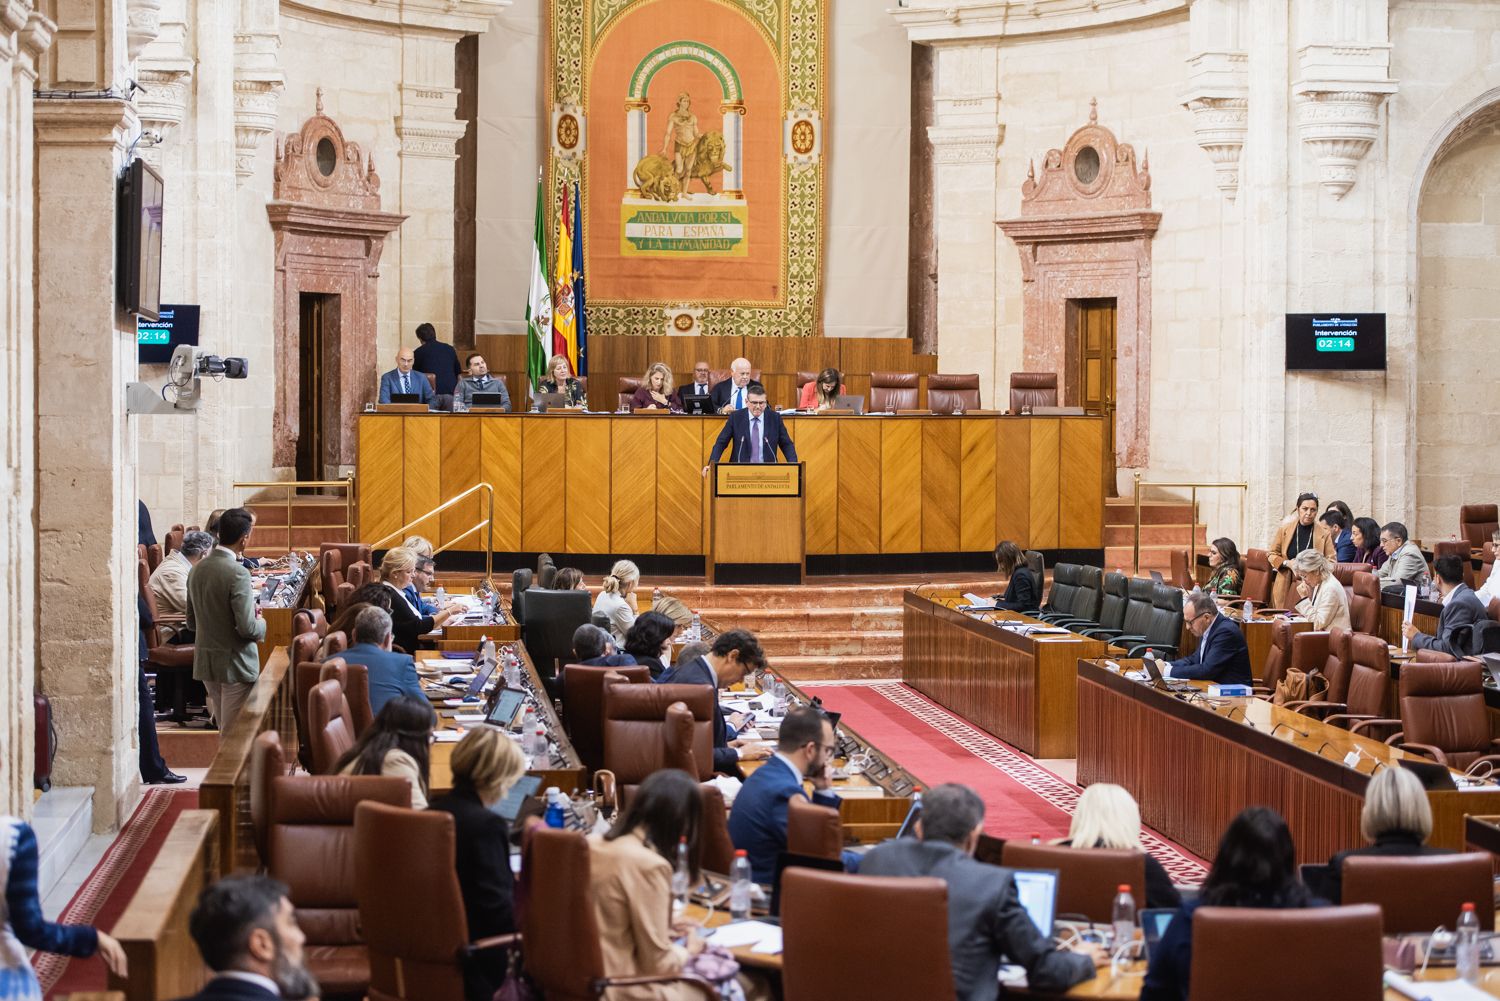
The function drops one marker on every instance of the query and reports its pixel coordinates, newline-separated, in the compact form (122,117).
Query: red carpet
(1021,797)
(104,895)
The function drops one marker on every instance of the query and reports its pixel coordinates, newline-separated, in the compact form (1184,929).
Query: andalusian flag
(539,299)
(579,317)
(564,328)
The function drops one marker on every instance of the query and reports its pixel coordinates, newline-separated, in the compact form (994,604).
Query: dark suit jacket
(390,383)
(481,841)
(985,919)
(736,433)
(1390,843)
(1221,656)
(757,821)
(691,389)
(726,758)
(229,989)
(391,674)
(406,625)
(442,361)
(1022,593)
(144,534)
(610,660)
(722,392)
(1461,610)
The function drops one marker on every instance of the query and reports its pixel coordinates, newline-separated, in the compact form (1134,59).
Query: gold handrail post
(489,541)
(1193,534)
(288,491)
(349,508)
(1137,524)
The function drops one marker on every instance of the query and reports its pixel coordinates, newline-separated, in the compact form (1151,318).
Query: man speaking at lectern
(754,433)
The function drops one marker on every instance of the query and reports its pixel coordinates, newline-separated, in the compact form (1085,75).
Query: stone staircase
(317,519)
(1165,526)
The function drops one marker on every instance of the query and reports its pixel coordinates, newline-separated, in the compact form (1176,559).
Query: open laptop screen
(1037,889)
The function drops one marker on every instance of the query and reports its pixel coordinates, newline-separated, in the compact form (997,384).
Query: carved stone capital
(33,38)
(1218,95)
(142,25)
(258,83)
(965,145)
(430,140)
(163,99)
(1339,126)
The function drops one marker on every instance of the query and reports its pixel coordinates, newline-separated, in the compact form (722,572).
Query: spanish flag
(564,322)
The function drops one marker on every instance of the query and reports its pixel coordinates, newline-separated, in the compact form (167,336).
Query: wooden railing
(226,788)
(164,961)
(1192,514)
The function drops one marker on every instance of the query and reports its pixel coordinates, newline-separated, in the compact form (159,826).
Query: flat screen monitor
(157,339)
(141,199)
(1335,342)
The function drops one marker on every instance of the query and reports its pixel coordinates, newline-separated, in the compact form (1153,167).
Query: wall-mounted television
(141,196)
(1335,342)
(157,339)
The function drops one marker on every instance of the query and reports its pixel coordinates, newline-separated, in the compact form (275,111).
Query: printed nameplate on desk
(758,479)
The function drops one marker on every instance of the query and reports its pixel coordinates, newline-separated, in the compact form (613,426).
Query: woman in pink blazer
(822,391)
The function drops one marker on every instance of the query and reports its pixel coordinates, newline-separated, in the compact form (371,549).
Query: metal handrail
(486,523)
(292,486)
(1192,514)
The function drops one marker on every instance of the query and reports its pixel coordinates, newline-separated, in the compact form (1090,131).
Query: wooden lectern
(756,533)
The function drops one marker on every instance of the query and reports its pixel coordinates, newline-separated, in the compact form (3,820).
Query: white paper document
(758,936)
(1433,990)
(1407,612)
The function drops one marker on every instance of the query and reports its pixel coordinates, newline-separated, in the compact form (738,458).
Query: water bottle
(1124,916)
(1247,612)
(739,887)
(512,669)
(682,879)
(554,814)
(1036,839)
(1149,659)
(1466,945)
(541,754)
(697,628)
(528,727)
(440,596)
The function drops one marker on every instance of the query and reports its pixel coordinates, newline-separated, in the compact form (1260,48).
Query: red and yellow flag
(564,320)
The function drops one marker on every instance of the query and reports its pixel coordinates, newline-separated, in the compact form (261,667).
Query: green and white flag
(538,299)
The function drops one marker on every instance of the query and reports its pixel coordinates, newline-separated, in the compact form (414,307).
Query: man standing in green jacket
(221,612)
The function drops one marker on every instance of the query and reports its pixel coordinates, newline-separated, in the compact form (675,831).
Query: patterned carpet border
(1021,769)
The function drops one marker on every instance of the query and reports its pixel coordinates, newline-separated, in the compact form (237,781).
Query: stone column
(86,484)
(24,34)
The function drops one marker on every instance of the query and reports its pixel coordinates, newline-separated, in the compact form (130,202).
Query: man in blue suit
(420,578)
(757,822)
(1222,655)
(733,655)
(402,379)
(391,674)
(753,434)
(1462,610)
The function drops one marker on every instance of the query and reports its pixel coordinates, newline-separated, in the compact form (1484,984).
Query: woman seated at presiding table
(822,392)
(1224,562)
(630,883)
(656,389)
(562,381)
(486,763)
(1322,600)
(1256,867)
(1024,592)
(407,623)
(1107,817)
(1396,820)
(396,743)
(615,599)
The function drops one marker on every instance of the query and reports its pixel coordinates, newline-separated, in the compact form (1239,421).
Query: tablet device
(488,400)
(1154,921)
(508,702)
(480,679)
(406,397)
(1037,890)
(697,403)
(909,825)
(509,805)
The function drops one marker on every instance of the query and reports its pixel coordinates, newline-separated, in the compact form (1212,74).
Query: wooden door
(318,388)
(1096,373)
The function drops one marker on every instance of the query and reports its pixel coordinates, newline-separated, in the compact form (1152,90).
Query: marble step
(776,621)
(815,594)
(63,819)
(855,668)
(823,643)
(1121,511)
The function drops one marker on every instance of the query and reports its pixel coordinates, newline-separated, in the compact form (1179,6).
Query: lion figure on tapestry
(656,177)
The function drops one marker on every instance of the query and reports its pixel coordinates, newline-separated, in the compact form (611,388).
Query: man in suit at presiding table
(403,380)
(226,627)
(753,434)
(1222,655)
(733,393)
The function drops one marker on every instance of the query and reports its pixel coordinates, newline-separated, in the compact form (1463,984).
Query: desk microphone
(1325,743)
(1284,723)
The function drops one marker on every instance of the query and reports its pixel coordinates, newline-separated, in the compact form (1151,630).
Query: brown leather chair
(403,855)
(267,763)
(1443,714)
(715,846)
(1182,574)
(718,375)
(330,574)
(1291,950)
(1306,651)
(1369,682)
(350,552)
(1417,893)
(948,394)
(343,593)
(803,378)
(164,659)
(1032,389)
(558,922)
(1087,878)
(1477,523)
(335,643)
(583,707)
(1364,606)
(354,679)
(1336,667)
(627,387)
(305,669)
(642,733)
(1462,550)
(172,540)
(823,959)
(1278,658)
(329,725)
(1258,578)
(893,391)
(310,620)
(813,829)
(310,848)
(359,574)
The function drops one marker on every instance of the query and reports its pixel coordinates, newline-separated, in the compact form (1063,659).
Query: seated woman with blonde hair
(1107,817)
(615,598)
(1322,598)
(562,381)
(656,389)
(418,545)
(407,623)
(1396,820)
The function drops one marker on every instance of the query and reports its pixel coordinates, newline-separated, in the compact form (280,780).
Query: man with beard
(247,932)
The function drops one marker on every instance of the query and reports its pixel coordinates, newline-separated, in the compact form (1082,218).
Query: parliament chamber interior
(651,500)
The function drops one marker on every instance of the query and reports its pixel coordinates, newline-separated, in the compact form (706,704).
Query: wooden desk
(1193,767)
(631,485)
(1021,689)
(279,615)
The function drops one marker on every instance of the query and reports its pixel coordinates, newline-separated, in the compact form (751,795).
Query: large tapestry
(694,129)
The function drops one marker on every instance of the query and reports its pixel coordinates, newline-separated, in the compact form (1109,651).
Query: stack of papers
(1433,990)
(757,936)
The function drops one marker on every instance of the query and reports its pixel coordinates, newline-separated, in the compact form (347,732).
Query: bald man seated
(402,380)
(729,395)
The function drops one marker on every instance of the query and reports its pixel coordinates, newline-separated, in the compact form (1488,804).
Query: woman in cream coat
(1323,601)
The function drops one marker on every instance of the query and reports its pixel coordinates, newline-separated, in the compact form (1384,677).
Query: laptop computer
(544,401)
(406,397)
(697,403)
(508,702)
(488,400)
(854,403)
(480,679)
(1154,673)
(1037,890)
(1432,775)
(790,860)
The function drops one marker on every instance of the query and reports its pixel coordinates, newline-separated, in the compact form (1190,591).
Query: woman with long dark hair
(631,884)
(649,641)
(1024,592)
(1256,867)
(1224,562)
(396,742)
(1366,538)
